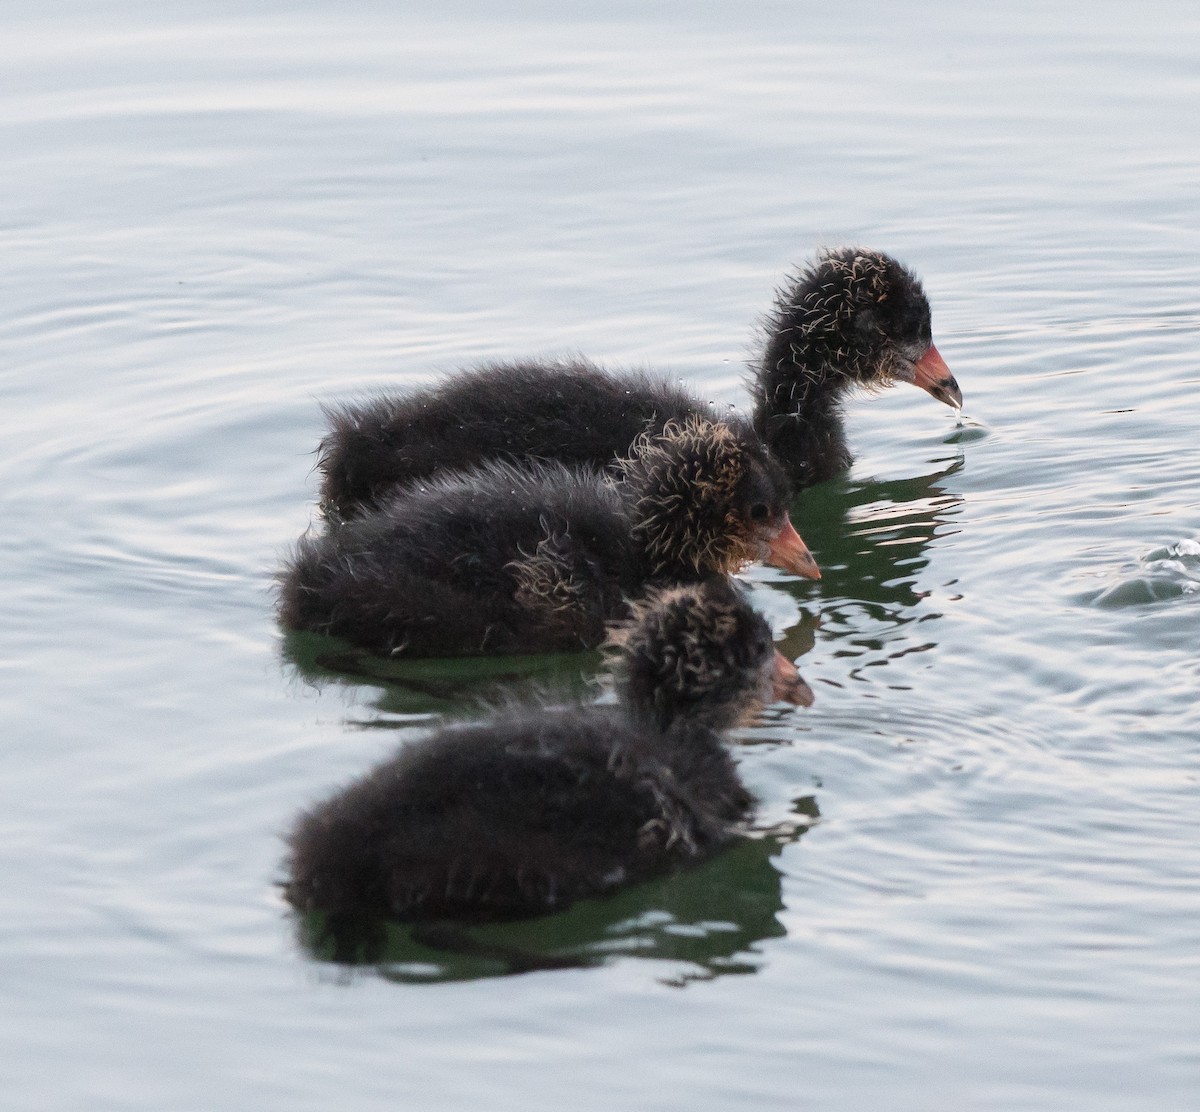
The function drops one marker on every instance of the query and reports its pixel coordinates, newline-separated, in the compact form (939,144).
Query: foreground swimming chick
(539,808)
(853,318)
(539,559)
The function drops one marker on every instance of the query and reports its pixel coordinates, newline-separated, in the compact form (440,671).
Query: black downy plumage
(852,318)
(537,559)
(526,813)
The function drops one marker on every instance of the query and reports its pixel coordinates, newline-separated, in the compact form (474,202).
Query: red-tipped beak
(787,685)
(930,373)
(789,552)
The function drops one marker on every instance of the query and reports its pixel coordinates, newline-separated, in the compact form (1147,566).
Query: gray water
(981,887)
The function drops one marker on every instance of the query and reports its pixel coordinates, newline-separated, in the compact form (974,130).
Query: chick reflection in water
(700,923)
(538,808)
(404,687)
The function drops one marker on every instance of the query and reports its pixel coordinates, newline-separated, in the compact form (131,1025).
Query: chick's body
(853,318)
(537,559)
(539,807)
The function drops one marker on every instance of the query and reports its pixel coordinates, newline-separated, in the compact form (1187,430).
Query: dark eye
(760,511)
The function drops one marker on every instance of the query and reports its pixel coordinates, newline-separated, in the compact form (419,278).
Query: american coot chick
(538,559)
(572,412)
(852,317)
(538,808)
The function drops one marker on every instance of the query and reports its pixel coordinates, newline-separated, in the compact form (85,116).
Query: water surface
(979,889)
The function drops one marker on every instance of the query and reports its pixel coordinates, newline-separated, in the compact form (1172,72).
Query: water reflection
(872,537)
(414,686)
(872,540)
(708,920)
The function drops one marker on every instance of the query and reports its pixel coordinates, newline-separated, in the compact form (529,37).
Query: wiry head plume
(692,484)
(692,651)
(851,313)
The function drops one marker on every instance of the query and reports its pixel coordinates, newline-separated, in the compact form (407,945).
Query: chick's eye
(760,511)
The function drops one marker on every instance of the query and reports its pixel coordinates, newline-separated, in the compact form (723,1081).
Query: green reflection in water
(415,686)
(708,919)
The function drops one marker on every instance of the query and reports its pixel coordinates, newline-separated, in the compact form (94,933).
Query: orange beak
(789,552)
(787,685)
(930,373)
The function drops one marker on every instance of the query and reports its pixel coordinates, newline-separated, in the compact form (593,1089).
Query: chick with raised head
(851,318)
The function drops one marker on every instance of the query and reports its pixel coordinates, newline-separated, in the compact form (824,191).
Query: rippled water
(977,885)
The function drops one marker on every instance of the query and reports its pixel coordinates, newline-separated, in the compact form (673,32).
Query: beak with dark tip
(787,685)
(931,373)
(786,550)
